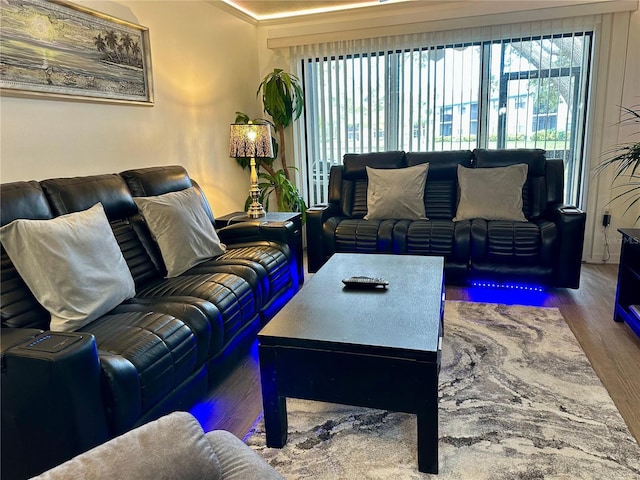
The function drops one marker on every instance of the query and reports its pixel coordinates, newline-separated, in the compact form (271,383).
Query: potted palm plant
(625,159)
(283,100)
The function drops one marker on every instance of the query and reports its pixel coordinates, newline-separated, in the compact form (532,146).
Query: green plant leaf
(625,160)
(282,97)
(242,118)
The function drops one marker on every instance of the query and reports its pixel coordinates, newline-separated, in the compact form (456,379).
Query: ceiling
(272,9)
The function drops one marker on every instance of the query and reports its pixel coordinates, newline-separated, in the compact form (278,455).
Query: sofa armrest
(316,216)
(173,446)
(283,232)
(52,403)
(256,230)
(570,222)
(237,460)
(123,382)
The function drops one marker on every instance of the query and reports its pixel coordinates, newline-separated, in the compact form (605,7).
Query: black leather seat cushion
(414,237)
(432,237)
(358,235)
(502,250)
(516,243)
(144,356)
(231,294)
(513,242)
(268,256)
(429,237)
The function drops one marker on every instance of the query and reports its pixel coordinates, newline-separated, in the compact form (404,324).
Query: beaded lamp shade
(250,140)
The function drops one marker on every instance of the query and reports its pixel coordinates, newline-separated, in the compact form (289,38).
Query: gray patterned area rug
(518,400)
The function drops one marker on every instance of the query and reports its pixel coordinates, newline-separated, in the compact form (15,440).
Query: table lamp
(251,140)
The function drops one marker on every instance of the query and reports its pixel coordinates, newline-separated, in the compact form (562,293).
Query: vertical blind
(510,86)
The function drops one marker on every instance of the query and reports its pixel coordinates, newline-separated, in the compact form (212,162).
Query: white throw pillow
(491,193)
(181,226)
(72,264)
(396,193)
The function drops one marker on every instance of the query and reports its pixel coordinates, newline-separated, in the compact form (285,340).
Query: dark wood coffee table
(378,349)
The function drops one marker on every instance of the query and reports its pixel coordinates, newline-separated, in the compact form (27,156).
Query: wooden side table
(627,306)
(295,217)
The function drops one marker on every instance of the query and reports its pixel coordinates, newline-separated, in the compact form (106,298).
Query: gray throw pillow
(396,193)
(182,228)
(72,264)
(491,193)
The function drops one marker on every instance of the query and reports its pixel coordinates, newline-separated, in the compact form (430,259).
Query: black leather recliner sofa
(544,250)
(63,393)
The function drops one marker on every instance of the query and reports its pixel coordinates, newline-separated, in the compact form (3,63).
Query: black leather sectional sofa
(63,393)
(546,249)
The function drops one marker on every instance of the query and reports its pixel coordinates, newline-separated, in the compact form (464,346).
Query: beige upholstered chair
(172,447)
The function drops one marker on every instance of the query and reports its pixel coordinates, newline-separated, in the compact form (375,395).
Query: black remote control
(365,282)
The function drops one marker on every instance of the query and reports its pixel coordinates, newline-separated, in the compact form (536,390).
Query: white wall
(616,82)
(630,97)
(205,67)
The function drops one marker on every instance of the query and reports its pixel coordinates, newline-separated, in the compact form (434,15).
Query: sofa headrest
(534,158)
(442,165)
(146,182)
(23,200)
(355,163)
(68,195)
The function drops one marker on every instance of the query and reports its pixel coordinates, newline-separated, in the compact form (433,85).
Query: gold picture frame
(55,49)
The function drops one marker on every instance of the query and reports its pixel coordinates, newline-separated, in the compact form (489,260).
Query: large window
(496,93)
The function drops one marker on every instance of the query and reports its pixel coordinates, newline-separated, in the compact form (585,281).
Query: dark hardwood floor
(612,348)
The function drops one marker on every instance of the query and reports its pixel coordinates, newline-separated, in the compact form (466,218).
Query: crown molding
(233,11)
(419,16)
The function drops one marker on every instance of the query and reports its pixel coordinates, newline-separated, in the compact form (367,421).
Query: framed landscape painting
(57,49)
